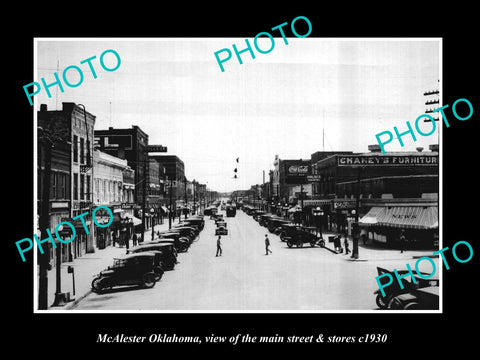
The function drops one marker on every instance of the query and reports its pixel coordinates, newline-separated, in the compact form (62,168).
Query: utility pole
(144,195)
(185,210)
(44,220)
(170,211)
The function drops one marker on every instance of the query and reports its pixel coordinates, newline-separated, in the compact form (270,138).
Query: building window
(88,187)
(88,153)
(75,148)
(82,187)
(75,186)
(82,151)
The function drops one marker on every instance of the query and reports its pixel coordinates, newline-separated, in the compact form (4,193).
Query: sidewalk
(374,252)
(86,267)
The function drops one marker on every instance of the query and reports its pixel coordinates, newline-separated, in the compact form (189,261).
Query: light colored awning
(413,217)
(371,218)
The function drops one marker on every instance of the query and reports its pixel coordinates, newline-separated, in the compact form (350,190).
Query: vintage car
(131,269)
(168,258)
(219,223)
(257,213)
(172,234)
(196,220)
(394,290)
(231,211)
(216,216)
(181,244)
(274,224)
(426,298)
(188,231)
(296,235)
(263,219)
(221,230)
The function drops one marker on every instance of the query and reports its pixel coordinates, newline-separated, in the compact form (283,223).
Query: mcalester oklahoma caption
(153,338)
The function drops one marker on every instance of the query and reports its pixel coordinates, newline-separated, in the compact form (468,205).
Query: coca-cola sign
(296,171)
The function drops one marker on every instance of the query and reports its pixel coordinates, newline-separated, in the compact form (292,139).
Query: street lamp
(152,212)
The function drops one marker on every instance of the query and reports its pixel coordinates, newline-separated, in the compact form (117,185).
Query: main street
(244,278)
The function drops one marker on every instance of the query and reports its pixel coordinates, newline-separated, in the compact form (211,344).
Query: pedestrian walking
(114,238)
(219,247)
(402,241)
(267,245)
(134,239)
(345,243)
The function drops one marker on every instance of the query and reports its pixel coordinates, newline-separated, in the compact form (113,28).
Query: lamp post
(152,213)
(194,198)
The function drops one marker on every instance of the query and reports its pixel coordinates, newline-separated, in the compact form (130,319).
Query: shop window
(75,186)
(75,148)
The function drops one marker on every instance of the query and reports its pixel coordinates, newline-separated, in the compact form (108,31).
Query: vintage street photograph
(291,181)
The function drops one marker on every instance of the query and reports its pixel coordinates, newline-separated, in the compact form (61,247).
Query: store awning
(412,217)
(371,218)
(317,202)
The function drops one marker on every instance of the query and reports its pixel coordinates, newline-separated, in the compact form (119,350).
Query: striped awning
(413,217)
(370,218)
(317,202)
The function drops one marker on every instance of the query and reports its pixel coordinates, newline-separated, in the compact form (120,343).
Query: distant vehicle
(210,210)
(221,223)
(221,230)
(133,269)
(217,217)
(231,211)
(223,207)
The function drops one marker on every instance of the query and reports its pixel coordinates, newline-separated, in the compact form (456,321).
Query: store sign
(388,160)
(296,171)
(343,204)
(314,178)
(156,148)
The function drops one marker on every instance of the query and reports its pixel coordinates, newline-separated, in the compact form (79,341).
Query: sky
(279,103)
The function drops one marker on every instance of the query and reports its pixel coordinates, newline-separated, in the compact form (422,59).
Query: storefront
(420,224)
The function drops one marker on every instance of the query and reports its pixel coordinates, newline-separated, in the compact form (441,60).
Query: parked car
(181,244)
(196,220)
(172,234)
(221,230)
(168,259)
(132,269)
(296,235)
(186,231)
(394,289)
(257,213)
(274,224)
(426,298)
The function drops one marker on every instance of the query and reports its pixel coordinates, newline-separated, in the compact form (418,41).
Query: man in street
(345,243)
(267,245)
(402,241)
(219,247)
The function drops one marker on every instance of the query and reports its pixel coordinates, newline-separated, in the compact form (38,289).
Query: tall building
(174,170)
(73,124)
(131,145)
(113,188)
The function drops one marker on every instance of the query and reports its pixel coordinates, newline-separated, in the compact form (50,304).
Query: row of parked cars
(289,232)
(146,263)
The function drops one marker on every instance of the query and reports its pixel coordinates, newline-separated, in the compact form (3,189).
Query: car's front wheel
(149,280)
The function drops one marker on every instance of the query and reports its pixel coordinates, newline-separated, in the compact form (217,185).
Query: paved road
(244,278)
